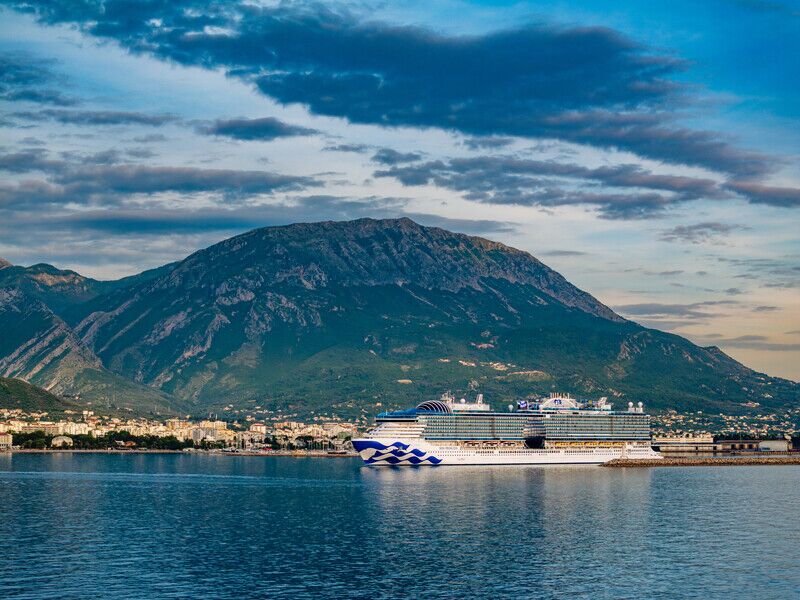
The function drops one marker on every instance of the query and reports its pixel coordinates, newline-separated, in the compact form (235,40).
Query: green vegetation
(15,393)
(115,441)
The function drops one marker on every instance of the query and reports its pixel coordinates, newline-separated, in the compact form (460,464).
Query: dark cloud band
(264,129)
(103,178)
(96,117)
(589,85)
(511,180)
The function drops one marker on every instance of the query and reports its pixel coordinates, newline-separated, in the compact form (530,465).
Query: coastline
(737,461)
(290,453)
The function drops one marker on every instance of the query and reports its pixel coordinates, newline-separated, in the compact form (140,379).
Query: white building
(71,428)
(774,445)
(61,441)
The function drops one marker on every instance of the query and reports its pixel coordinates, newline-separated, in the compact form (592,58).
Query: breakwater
(710,461)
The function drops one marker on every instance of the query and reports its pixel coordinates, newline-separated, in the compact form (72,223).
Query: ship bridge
(559,403)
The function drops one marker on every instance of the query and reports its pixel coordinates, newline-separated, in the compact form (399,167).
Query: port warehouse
(558,426)
(708,444)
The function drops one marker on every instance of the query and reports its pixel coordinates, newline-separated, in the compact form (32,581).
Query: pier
(709,461)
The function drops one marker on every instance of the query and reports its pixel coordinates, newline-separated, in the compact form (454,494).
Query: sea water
(212,526)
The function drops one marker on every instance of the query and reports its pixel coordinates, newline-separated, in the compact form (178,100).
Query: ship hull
(393,452)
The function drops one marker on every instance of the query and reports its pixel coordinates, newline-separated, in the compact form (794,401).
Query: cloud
(699,233)
(29,160)
(488,142)
(563,253)
(469,226)
(21,78)
(32,141)
(102,178)
(589,85)
(766,308)
(388,156)
(358,148)
(779,272)
(233,218)
(293,210)
(135,179)
(751,342)
(96,117)
(41,96)
(18,69)
(150,138)
(103,157)
(764,194)
(512,180)
(655,310)
(37,159)
(140,153)
(137,236)
(263,129)
(674,316)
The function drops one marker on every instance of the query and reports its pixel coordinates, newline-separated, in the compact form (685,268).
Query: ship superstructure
(554,430)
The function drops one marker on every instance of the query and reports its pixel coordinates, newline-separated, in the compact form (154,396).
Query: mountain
(345,317)
(55,287)
(40,347)
(60,289)
(15,393)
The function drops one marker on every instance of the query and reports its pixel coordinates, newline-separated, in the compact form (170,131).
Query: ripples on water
(176,526)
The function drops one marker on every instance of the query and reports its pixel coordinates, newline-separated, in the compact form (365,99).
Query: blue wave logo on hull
(397,453)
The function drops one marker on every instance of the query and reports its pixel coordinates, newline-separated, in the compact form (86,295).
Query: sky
(646,151)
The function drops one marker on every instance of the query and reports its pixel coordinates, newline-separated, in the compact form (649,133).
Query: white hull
(413,452)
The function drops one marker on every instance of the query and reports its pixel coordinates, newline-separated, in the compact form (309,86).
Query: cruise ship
(555,430)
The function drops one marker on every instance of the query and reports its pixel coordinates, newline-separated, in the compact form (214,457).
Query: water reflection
(478,523)
(175,526)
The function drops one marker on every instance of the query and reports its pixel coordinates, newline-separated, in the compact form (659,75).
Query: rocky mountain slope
(38,346)
(60,289)
(348,316)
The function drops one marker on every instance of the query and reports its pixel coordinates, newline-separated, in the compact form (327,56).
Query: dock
(709,461)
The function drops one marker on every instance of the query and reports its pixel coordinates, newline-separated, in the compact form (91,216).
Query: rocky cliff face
(55,287)
(39,347)
(341,316)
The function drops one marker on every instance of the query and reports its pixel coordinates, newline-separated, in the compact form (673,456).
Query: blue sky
(648,151)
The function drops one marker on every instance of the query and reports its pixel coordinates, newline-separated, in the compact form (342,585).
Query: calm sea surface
(175,526)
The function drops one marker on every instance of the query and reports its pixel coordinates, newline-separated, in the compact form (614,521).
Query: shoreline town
(21,431)
(693,439)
